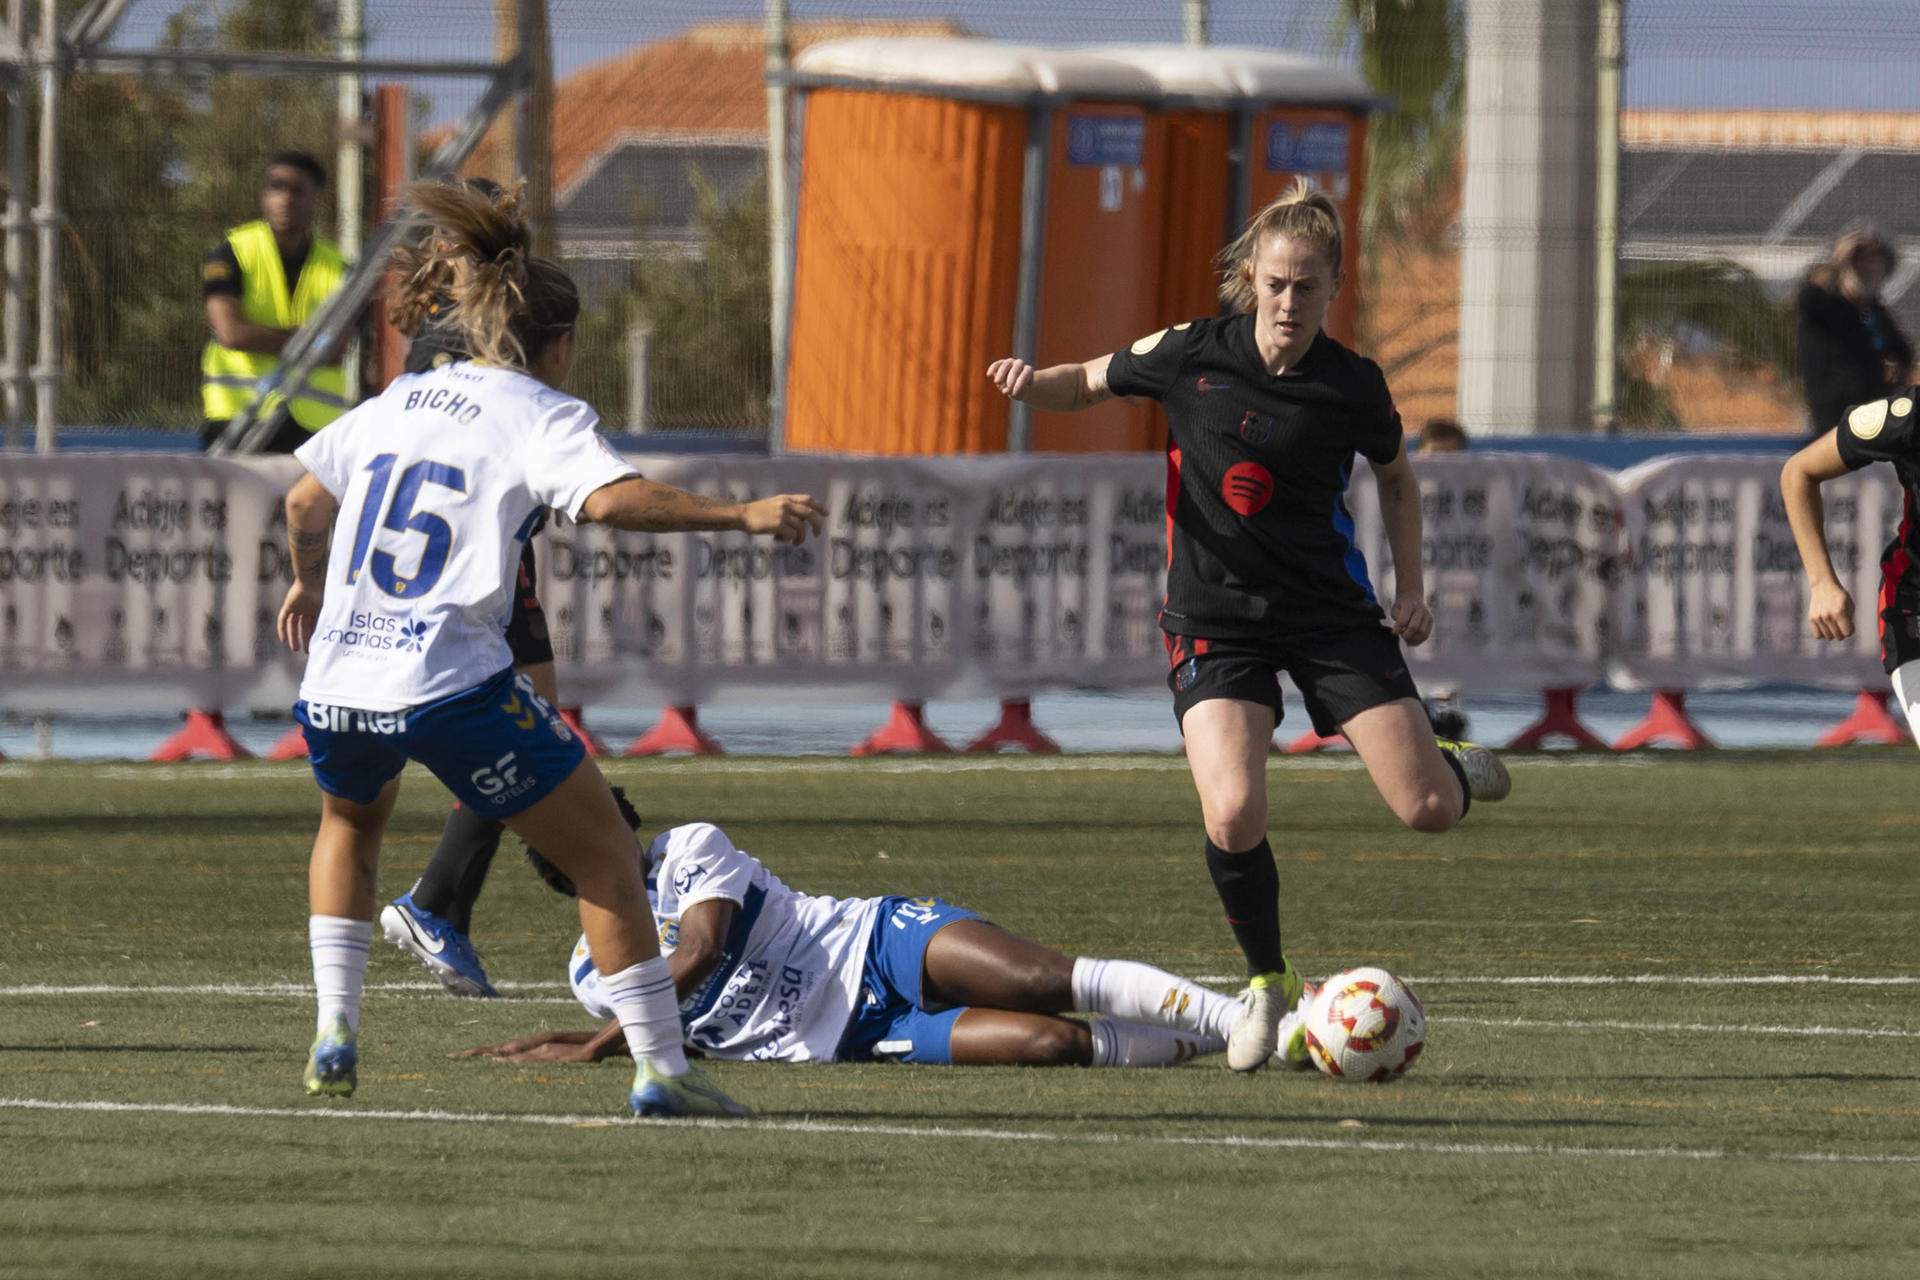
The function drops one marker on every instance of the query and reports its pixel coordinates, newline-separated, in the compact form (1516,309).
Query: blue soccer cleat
(665,1097)
(332,1064)
(435,943)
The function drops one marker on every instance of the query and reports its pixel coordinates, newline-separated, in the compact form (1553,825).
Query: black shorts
(527,624)
(1339,673)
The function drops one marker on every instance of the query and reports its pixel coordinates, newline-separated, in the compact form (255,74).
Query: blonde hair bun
(1302,212)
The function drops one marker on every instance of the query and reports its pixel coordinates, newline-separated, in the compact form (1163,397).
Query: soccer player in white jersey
(436,484)
(766,973)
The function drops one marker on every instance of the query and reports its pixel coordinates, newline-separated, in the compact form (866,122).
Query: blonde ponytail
(477,260)
(1303,212)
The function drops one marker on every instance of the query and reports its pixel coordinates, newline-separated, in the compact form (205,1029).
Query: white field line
(1700,1028)
(1636,979)
(1676,980)
(1371,1146)
(273,990)
(261,989)
(270,771)
(429,990)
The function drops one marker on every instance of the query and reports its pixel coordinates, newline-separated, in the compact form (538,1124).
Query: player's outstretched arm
(1061,388)
(310,511)
(557,1046)
(1829,605)
(698,949)
(647,506)
(1411,620)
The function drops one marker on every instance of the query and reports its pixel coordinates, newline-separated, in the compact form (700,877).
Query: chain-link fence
(1751,134)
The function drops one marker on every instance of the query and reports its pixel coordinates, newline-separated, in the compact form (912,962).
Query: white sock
(1141,993)
(642,998)
(1117,1043)
(339,948)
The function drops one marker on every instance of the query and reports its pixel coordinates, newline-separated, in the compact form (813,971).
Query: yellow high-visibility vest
(229,378)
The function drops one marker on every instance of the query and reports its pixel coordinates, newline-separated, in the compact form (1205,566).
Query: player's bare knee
(1239,830)
(1432,813)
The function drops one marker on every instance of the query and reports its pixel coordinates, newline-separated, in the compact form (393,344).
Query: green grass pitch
(1675,1021)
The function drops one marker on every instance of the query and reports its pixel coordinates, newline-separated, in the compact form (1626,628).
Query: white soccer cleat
(1268,998)
(1487,778)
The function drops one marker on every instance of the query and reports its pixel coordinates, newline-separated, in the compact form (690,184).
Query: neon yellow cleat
(332,1063)
(1269,997)
(1487,778)
(1292,1052)
(692,1094)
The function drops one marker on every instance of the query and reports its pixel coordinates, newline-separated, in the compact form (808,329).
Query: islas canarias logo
(377,632)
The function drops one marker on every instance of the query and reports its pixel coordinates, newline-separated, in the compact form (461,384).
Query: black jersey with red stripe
(1259,539)
(1885,431)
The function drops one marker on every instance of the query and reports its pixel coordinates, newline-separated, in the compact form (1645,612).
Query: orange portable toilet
(962,200)
(913,235)
(1243,124)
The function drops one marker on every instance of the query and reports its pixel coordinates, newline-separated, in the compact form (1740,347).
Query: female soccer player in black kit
(1265,414)
(1877,431)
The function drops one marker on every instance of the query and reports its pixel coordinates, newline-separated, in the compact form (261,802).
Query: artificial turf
(1675,1015)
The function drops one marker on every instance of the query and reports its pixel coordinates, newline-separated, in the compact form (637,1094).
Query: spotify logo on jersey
(1247,488)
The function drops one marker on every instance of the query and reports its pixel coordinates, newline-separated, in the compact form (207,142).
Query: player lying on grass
(766,973)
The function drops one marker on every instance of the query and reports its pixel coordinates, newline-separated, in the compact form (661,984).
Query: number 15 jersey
(440,481)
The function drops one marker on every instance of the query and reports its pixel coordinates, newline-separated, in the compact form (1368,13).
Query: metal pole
(639,375)
(1196,23)
(1033,236)
(779,227)
(349,182)
(13,366)
(1240,174)
(533,136)
(46,218)
(1606,219)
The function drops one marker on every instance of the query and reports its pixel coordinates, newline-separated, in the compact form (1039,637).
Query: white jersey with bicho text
(440,481)
(790,968)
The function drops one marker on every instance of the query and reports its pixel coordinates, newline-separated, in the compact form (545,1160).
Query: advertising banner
(1713,595)
(150,582)
(1520,556)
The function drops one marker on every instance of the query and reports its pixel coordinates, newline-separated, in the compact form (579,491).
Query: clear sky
(1824,54)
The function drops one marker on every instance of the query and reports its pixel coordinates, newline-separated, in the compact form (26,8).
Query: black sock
(1249,888)
(451,883)
(461,911)
(1466,792)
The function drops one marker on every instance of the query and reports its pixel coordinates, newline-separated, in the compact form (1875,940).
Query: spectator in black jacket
(1849,348)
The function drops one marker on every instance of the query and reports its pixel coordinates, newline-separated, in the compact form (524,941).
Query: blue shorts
(499,746)
(892,1022)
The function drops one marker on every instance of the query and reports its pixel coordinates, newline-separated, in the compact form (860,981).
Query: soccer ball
(1365,1025)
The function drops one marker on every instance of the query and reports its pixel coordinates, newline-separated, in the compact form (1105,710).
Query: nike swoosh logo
(1205,385)
(426,940)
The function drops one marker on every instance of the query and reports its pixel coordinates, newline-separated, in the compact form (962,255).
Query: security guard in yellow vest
(260,284)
